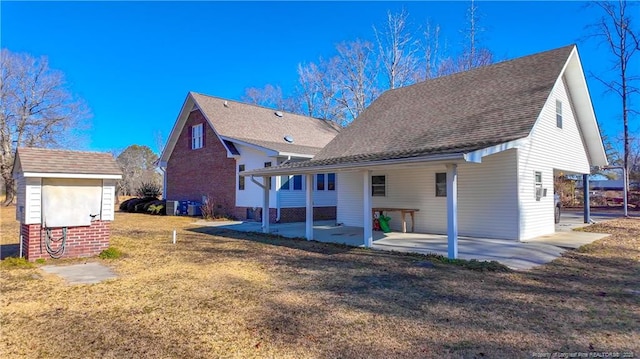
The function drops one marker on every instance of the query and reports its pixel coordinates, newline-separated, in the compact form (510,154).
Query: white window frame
(436,184)
(196,136)
(384,185)
(559,117)
(537,185)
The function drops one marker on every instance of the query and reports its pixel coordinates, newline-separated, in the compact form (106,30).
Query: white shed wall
(108,200)
(550,148)
(349,199)
(32,200)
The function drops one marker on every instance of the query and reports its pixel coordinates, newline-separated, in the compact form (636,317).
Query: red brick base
(81,242)
(287,215)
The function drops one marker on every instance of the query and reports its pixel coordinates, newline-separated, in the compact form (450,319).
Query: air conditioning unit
(194,210)
(172,208)
(540,192)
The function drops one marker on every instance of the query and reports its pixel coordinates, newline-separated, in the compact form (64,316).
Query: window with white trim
(441,184)
(196,136)
(325,182)
(291,183)
(538,192)
(378,186)
(559,113)
(240,178)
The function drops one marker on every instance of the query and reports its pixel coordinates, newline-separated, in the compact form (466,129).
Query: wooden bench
(402,211)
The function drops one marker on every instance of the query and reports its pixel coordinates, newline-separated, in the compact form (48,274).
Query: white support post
(265,204)
(309,208)
(452,211)
(368,220)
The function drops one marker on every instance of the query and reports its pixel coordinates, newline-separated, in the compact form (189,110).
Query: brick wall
(206,171)
(86,241)
(287,215)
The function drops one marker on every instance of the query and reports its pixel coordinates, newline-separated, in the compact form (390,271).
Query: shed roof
(54,161)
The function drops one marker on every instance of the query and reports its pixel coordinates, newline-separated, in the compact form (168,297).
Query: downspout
(164,182)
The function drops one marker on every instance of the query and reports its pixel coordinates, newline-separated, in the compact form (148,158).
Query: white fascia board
(454,157)
(476,156)
(71,175)
(291,154)
(177,128)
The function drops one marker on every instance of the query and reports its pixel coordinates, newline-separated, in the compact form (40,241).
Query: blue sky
(134,62)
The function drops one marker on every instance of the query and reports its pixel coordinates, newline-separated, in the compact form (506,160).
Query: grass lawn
(223,294)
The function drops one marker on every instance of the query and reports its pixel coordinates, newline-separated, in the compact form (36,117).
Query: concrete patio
(514,254)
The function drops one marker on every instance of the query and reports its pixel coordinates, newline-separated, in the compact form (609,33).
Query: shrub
(110,253)
(148,189)
(131,205)
(15,262)
(124,204)
(157,207)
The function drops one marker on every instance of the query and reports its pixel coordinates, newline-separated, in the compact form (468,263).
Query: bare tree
(397,50)
(615,30)
(473,54)
(432,51)
(138,166)
(318,89)
(358,74)
(270,96)
(36,110)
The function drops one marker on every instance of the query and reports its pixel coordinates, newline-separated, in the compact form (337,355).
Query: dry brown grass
(222,294)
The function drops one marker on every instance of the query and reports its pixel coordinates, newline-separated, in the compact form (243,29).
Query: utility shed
(65,201)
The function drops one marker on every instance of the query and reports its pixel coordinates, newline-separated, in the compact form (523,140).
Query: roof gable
(31,160)
(260,126)
(459,113)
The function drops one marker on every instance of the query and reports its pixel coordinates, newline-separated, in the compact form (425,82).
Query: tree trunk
(10,189)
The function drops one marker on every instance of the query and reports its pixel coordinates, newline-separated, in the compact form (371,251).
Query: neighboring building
(214,139)
(476,152)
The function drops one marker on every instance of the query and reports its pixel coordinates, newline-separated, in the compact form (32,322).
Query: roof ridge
(258,105)
(61,150)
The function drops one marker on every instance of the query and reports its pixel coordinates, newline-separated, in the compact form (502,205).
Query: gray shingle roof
(459,113)
(256,124)
(44,160)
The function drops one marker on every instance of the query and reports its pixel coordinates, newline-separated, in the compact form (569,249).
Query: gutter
(328,168)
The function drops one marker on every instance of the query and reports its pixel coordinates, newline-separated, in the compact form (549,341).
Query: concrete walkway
(512,253)
(86,273)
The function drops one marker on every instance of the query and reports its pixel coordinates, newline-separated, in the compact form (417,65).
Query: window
(331,182)
(320,182)
(268,164)
(441,184)
(284,182)
(297,182)
(196,137)
(291,183)
(538,185)
(378,186)
(240,178)
(559,113)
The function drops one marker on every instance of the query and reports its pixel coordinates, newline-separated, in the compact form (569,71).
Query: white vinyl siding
(550,148)
(349,198)
(32,200)
(108,199)
(251,196)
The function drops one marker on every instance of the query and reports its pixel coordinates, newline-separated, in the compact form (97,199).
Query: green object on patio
(384,223)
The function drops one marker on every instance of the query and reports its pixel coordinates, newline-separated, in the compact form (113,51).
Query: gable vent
(279,114)
(288,138)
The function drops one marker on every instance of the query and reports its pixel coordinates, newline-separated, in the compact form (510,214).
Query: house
(214,140)
(474,152)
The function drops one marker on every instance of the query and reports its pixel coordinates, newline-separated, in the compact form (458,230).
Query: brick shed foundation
(85,241)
